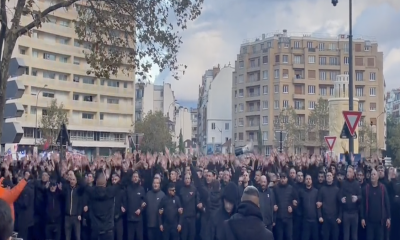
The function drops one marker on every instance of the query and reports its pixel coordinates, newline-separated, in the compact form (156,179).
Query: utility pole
(351,85)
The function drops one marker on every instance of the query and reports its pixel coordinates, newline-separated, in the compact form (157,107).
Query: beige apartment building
(285,70)
(100,111)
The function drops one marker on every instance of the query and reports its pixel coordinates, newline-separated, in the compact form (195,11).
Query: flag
(46,144)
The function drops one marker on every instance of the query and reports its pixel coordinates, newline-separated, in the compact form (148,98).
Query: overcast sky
(215,37)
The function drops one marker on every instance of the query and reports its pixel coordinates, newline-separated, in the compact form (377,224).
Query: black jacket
(246,224)
(189,200)
(102,204)
(132,201)
(284,195)
(170,218)
(153,200)
(53,205)
(308,204)
(267,202)
(73,199)
(24,208)
(328,195)
(350,188)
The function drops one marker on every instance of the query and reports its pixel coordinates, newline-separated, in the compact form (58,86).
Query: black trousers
(72,225)
(25,233)
(297,227)
(153,233)
(38,231)
(350,226)
(53,231)
(375,231)
(85,232)
(135,229)
(310,230)
(108,235)
(119,229)
(330,229)
(189,229)
(284,229)
(170,233)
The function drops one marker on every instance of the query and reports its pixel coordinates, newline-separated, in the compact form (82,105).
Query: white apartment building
(393,103)
(215,109)
(183,122)
(150,97)
(100,111)
(194,116)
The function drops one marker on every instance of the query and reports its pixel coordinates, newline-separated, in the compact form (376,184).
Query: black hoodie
(246,224)
(231,194)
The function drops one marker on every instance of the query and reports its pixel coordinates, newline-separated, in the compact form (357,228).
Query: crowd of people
(144,196)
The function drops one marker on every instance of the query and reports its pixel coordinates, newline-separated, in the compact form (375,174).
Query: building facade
(100,111)
(183,123)
(393,103)
(214,111)
(280,71)
(150,97)
(193,113)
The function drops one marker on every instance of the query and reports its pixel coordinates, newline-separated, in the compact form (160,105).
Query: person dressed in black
(247,223)
(118,214)
(375,210)
(268,205)
(24,211)
(53,200)
(190,202)
(170,215)
(329,202)
(308,207)
(286,200)
(153,199)
(6,221)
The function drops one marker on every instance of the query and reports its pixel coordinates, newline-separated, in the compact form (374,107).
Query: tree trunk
(9,44)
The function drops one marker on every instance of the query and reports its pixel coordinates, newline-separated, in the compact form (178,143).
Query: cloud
(215,37)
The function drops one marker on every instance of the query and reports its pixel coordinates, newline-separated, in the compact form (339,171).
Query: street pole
(280,141)
(351,86)
(36,115)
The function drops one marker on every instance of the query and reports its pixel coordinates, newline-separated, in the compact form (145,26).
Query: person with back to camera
(6,221)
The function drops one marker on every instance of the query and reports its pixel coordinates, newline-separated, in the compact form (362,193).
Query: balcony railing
(254,94)
(253,109)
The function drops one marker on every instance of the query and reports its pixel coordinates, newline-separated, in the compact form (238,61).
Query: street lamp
(334,3)
(36,122)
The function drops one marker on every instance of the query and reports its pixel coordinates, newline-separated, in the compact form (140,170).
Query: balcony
(253,124)
(253,109)
(253,94)
(299,95)
(298,79)
(298,64)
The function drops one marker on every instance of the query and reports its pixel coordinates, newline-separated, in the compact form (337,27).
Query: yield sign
(352,118)
(330,141)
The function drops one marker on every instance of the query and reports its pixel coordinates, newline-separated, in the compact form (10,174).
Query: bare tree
(367,139)
(319,123)
(50,123)
(287,121)
(122,35)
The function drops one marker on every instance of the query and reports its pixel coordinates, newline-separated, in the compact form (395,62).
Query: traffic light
(12,131)
(335,2)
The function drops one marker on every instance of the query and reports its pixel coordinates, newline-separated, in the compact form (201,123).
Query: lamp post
(351,87)
(36,121)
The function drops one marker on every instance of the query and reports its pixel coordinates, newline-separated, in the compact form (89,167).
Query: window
(311,104)
(322,60)
(213,126)
(49,56)
(88,98)
(285,89)
(88,80)
(359,76)
(359,91)
(346,60)
(265,104)
(50,75)
(265,136)
(112,101)
(240,79)
(360,107)
(331,91)
(276,104)
(63,59)
(44,112)
(322,91)
(241,92)
(296,44)
(265,59)
(101,116)
(285,59)
(276,88)
(311,59)
(265,74)
(241,122)
(276,58)
(321,46)
(297,60)
(311,89)
(346,47)
(76,61)
(35,54)
(309,45)
(268,150)
(367,48)
(241,107)
(334,61)
(265,89)
(285,73)
(226,126)
(48,95)
(254,62)
(372,76)
(276,73)
(62,77)
(241,64)
(76,97)
(285,104)
(372,106)
(87,116)
(265,120)
(322,75)
(372,91)
(112,83)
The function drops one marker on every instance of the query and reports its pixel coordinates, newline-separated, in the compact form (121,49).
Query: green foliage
(319,122)
(393,140)
(181,144)
(50,124)
(157,135)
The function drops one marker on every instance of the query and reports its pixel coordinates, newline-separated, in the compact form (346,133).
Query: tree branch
(3,25)
(41,15)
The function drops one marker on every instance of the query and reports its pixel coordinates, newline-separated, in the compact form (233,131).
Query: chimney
(284,32)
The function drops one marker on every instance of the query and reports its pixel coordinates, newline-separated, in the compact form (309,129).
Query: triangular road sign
(330,141)
(345,133)
(352,118)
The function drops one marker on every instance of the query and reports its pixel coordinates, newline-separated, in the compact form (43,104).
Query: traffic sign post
(13,131)
(352,118)
(281,136)
(330,141)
